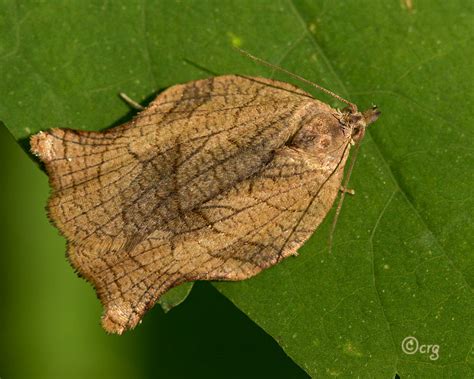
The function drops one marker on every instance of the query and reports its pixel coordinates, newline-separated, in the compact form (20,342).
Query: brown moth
(217,179)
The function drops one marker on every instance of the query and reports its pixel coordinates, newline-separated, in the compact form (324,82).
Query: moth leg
(349,191)
(130,102)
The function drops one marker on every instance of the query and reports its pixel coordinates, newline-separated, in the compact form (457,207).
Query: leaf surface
(402,260)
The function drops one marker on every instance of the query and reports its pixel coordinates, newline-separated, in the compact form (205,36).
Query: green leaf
(175,296)
(402,261)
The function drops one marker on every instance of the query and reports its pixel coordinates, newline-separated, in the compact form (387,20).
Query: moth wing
(202,138)
(131,190)
(194,141)
(87,171)
(254,225)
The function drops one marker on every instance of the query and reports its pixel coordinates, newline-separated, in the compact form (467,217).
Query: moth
(216,179)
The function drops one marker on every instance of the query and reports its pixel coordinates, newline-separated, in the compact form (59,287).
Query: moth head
(371,115)
(358,121)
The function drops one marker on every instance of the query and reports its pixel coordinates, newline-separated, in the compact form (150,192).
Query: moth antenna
(341,199)
(295,76)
